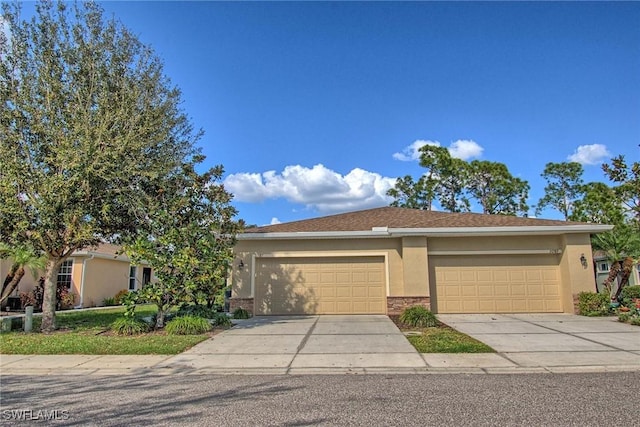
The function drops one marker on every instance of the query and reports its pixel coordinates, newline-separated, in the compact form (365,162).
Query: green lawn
(87,332)
(443,339)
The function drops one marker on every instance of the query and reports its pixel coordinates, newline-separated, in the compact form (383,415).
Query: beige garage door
(337,285)
(496,284)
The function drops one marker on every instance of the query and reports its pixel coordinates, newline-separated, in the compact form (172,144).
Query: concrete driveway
(309,344)
(554,340)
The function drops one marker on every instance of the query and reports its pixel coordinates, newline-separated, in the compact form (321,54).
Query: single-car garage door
(496,283)
(335,285)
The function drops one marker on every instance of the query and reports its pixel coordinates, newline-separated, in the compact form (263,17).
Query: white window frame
(133,271)
(605,264)
(65,273)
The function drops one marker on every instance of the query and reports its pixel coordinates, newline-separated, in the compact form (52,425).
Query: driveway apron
(286,344)
(553,340)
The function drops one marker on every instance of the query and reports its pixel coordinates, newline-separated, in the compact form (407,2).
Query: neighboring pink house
(92,275)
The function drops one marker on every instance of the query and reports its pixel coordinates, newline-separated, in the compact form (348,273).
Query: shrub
(593,304)
(188,325)
(628,294)
(120,295)
(107,302)
(418,316)
(35,297)
(635,321)
(221,319)
(129,326)
(241,313)
(624,317)
(197,310)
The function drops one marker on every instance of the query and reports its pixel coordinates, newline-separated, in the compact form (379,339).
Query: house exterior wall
(104,278)
(407,260)
(576,277)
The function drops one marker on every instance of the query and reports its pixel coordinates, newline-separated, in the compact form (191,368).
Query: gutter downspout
(84,271)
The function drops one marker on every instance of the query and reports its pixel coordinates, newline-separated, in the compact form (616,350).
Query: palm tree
(622,247)
(23,258)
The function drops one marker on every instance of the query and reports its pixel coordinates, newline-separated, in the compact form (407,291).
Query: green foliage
(129,326)
(599,204)
(90,130)
(221,319)
(627,190)
(197,310)
(129,301)
(187,239)
(23,257)
(241,313)
(118,298)
(444,180)
(109,301)
(593,304)
(63,298)
(496,190)
(629,294)
(447,340)
(564,187)
(418,316)
(188,325)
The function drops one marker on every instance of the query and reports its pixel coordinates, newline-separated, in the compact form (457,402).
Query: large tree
(564,187)
(496,190)
(188,238)
(443,180)
(599,204)
(627,188)
(89,128)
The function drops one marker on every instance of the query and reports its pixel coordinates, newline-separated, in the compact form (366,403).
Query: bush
(35,297)
(197,310)
(593,304)
(108,302)
(418,316)
(221,319)
(130,326)
(188,325)
(241,313)
(120,295)
(628,294)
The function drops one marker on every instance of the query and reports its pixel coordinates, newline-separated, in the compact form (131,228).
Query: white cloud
(412,152)
(464,149)
(275,221)
(317,187)
(590,154)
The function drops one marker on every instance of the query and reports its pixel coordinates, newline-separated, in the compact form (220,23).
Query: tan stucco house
(380,261)
(92,275)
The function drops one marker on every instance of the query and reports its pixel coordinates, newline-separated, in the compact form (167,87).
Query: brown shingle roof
(404,218)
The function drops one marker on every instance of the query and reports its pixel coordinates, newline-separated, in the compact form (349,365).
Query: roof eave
(431,232)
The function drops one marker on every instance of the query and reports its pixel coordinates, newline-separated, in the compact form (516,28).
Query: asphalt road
(601,399)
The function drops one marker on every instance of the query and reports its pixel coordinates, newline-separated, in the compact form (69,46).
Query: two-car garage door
(496,284)
(323,285)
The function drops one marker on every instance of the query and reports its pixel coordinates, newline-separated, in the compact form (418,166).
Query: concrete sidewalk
(369,345)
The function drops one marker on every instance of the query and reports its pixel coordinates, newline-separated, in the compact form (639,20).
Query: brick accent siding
(246,303)
(395,305)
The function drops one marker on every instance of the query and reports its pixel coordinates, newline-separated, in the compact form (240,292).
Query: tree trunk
(49,300)
(627,267)
(160,318)
(11,285)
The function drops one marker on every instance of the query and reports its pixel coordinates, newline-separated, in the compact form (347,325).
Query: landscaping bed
(440,339)
(89,332)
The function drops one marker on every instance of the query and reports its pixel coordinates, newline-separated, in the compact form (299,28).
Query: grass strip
(443,339)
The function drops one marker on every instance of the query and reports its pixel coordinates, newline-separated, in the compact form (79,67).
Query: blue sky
(315,108)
